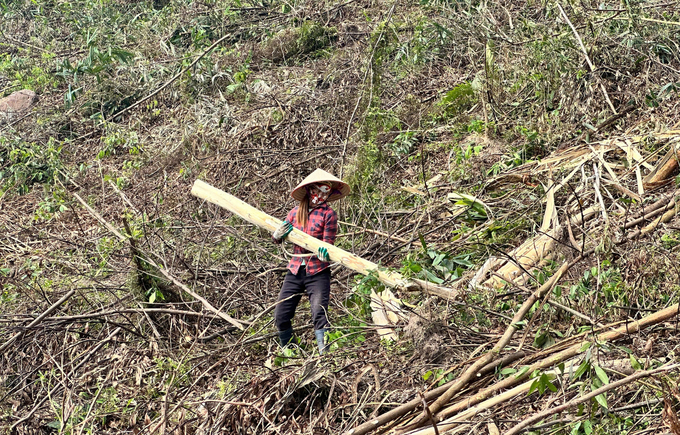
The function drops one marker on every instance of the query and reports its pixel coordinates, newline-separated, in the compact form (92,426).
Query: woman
(309,273)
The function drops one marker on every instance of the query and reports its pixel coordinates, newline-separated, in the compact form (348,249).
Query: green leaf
(522,372)
(587,427)
(507,371)
(602,375)
(585,346)
(542,383)
(635,363)
(552,387)
(427,375)
(233,87)
(560,366)
(584,367)
(54,425)
(432,277)
(576,428)
(534,385)
(422,241)
(601,399)
(519,325)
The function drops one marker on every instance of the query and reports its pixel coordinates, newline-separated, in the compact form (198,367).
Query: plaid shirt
(322,224)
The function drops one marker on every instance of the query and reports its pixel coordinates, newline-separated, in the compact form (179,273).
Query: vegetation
(439,113)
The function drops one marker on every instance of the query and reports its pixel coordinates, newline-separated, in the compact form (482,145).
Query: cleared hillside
(494,148)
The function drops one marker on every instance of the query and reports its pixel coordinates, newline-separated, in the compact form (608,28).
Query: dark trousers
(318,289)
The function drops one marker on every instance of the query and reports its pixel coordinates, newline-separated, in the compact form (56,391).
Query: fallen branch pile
(596,175)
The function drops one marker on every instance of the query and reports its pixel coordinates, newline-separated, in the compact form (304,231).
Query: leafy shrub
(289,44)
(434,266)
(23,164)
(458,99)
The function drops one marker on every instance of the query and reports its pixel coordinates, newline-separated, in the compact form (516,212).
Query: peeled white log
(354,262)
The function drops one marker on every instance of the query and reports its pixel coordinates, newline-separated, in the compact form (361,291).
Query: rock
(17,103)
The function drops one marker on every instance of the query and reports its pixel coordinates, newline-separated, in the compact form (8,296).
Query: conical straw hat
(340,188)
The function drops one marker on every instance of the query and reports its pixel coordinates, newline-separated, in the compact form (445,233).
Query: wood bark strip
(664,170)
(263,220)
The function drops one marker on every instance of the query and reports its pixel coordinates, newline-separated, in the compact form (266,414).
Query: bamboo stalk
(572,403)
(458,411)
(550,361)
(471,372)
(203,301)
(469,413)
(569,352)
(505,339)
(249,213)
(655,209)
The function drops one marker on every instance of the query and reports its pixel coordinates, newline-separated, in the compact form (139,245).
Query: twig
(585,53)
(366,230)
(429,414)
(123,311)
(49,311)
(562,307)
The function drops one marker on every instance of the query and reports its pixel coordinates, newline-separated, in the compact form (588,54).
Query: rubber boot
(320,334)
(286,337)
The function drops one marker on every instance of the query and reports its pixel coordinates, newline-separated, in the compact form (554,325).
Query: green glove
(283,231)
(322,254)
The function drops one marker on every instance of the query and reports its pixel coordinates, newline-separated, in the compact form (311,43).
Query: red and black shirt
(322,223)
